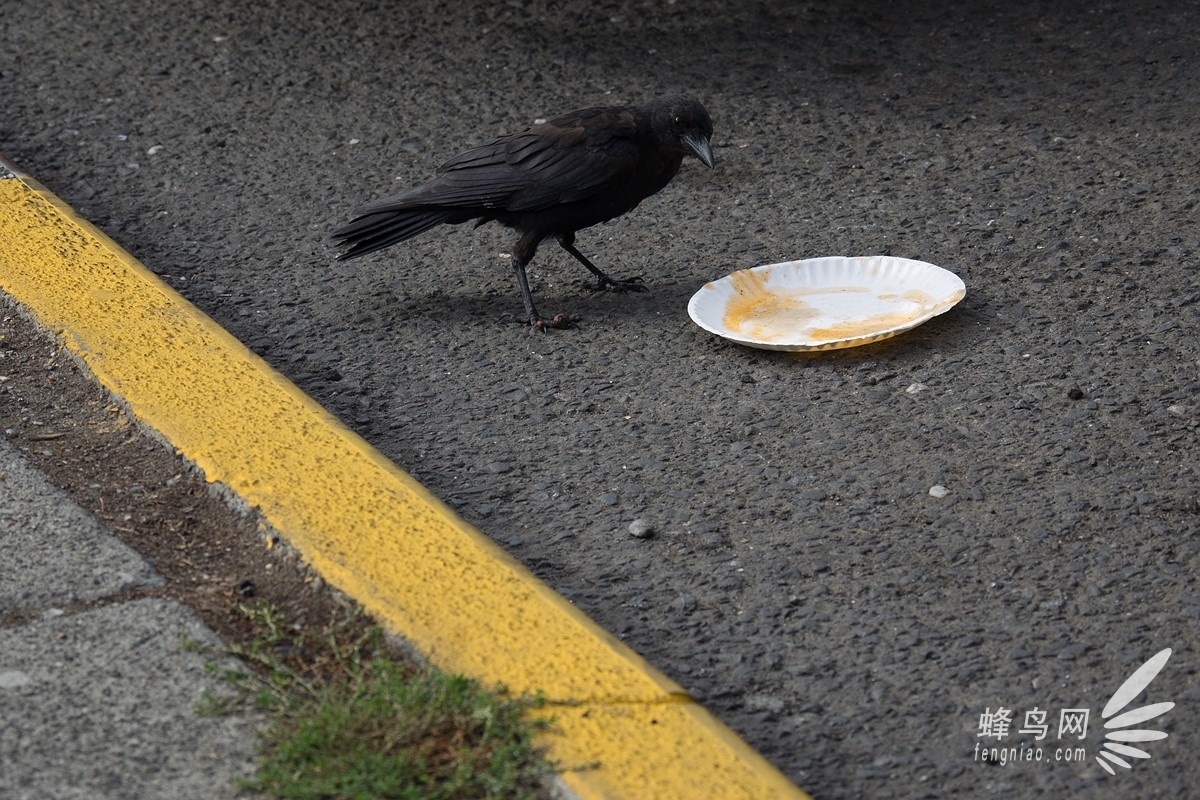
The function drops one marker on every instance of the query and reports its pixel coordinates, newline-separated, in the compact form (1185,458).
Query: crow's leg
(567,240)
(522,254)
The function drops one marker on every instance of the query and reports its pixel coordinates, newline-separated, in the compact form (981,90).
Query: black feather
(384,229)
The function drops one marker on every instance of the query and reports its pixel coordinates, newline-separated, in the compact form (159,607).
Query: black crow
(554,179)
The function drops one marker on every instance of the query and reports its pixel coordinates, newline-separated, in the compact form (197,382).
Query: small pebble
(13,678)
(764,702)
(684,604)
(1177,410)
(937,490)
(641,529)
(915,388)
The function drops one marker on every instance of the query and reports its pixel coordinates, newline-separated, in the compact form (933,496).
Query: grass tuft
(348,721)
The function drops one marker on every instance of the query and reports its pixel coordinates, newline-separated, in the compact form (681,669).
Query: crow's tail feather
(381,229)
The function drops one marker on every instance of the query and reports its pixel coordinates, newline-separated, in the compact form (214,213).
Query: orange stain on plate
(778,313)
(763,313)
(914,304)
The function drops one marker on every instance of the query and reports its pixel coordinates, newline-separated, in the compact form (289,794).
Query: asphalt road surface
(802,580)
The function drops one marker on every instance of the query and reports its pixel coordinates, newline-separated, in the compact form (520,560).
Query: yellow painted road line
(363,524)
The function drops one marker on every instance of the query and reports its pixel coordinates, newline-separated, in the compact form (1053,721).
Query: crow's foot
(634,284)
(558,321)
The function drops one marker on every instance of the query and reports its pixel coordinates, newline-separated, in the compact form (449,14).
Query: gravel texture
(806,577)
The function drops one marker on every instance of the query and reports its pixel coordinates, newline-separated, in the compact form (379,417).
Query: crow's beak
(701,148)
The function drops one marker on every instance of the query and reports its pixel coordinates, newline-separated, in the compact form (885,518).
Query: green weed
(349,721)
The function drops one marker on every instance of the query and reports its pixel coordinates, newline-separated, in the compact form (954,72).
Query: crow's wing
(561,161)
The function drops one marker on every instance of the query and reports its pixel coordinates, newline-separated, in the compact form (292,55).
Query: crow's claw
(560,322)
(634,284)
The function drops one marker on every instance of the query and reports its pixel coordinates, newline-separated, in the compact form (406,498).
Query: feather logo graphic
(1117,738)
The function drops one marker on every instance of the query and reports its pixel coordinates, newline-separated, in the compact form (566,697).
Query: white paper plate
(825,303)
